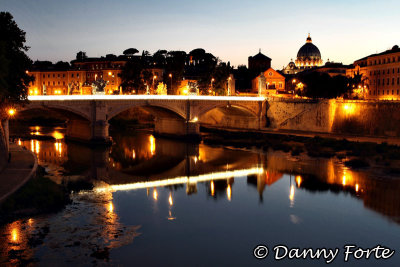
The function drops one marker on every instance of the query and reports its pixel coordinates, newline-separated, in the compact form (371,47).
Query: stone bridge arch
(177,109)
(231,114)
(80,111)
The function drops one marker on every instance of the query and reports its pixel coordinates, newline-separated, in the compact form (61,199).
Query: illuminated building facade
(274,81)
(78,78)
(380,74)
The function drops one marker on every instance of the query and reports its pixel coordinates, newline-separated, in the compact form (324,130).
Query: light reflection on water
(257,197)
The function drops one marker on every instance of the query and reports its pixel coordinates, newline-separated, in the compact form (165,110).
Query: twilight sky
(343,30)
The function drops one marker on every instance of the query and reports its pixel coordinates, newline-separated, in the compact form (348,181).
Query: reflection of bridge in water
(144,162)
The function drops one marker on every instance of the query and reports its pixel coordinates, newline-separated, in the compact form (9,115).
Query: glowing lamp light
(298,181)
(171,202)
(357,187)
(291,195)
(229,192)
(155,194)
(344,180)
(212,187)
(14,235)
(11,112)
(110,207)
(109,73)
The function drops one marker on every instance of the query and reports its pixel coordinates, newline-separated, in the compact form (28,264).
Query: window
(54,83)
(397,91)
(384,61)
(387,92)
(64,83)
(48,83)
(393,70)
(44,83)
(392,92)
(392,81)
(63,75)
(398,80)
(72,75)
(280,85)
(58,82)
(388,60)
(54,75)
(44,76)
(48,75)
(58,75)
(388,81)
(388,71)
(77,75)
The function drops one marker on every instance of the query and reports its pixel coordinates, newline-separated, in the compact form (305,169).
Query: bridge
(88,115)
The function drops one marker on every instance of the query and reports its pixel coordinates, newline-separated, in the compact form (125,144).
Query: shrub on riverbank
(39,195)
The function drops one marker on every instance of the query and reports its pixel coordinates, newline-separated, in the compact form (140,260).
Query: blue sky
(232,30)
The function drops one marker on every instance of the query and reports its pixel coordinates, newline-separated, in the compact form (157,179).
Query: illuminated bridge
(88,115)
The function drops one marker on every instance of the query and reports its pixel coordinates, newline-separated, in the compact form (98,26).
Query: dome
(309,50)
(308,55)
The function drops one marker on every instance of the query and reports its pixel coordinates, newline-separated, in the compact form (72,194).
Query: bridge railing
(143,97)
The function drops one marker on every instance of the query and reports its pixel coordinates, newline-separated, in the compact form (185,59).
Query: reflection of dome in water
(308,55)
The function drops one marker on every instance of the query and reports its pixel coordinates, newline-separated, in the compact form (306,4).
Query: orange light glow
(298,181)
(133,154)
(152,145)
(344,180)
(291,195)
(229,192)
(357,187)
(11,112)
(212,188)
(155,194)
(19,142)
(170,200)
(14,235)
(110,207)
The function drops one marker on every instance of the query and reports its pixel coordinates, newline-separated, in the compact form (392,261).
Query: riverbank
(24,191)
(355,152)
(21,167)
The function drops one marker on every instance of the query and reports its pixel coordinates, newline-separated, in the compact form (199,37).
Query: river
(150,201)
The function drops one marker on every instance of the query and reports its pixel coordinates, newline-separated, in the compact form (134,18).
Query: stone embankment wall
(378,118)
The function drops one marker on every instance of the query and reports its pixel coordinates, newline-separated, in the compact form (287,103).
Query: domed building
(308,55)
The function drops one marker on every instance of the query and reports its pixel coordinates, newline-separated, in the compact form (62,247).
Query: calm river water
(149,201)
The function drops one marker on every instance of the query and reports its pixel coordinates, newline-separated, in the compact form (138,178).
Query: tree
(130,51)
(14,66)
(321,85)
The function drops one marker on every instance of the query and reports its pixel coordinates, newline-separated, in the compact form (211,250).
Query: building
(270,81)
(259,63)
(308,57)
(80,76)
(379,74)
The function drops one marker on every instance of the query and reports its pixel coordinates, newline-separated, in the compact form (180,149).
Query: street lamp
(154,77)
(11,112)
(212,80)
(170,76)
(229,86)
